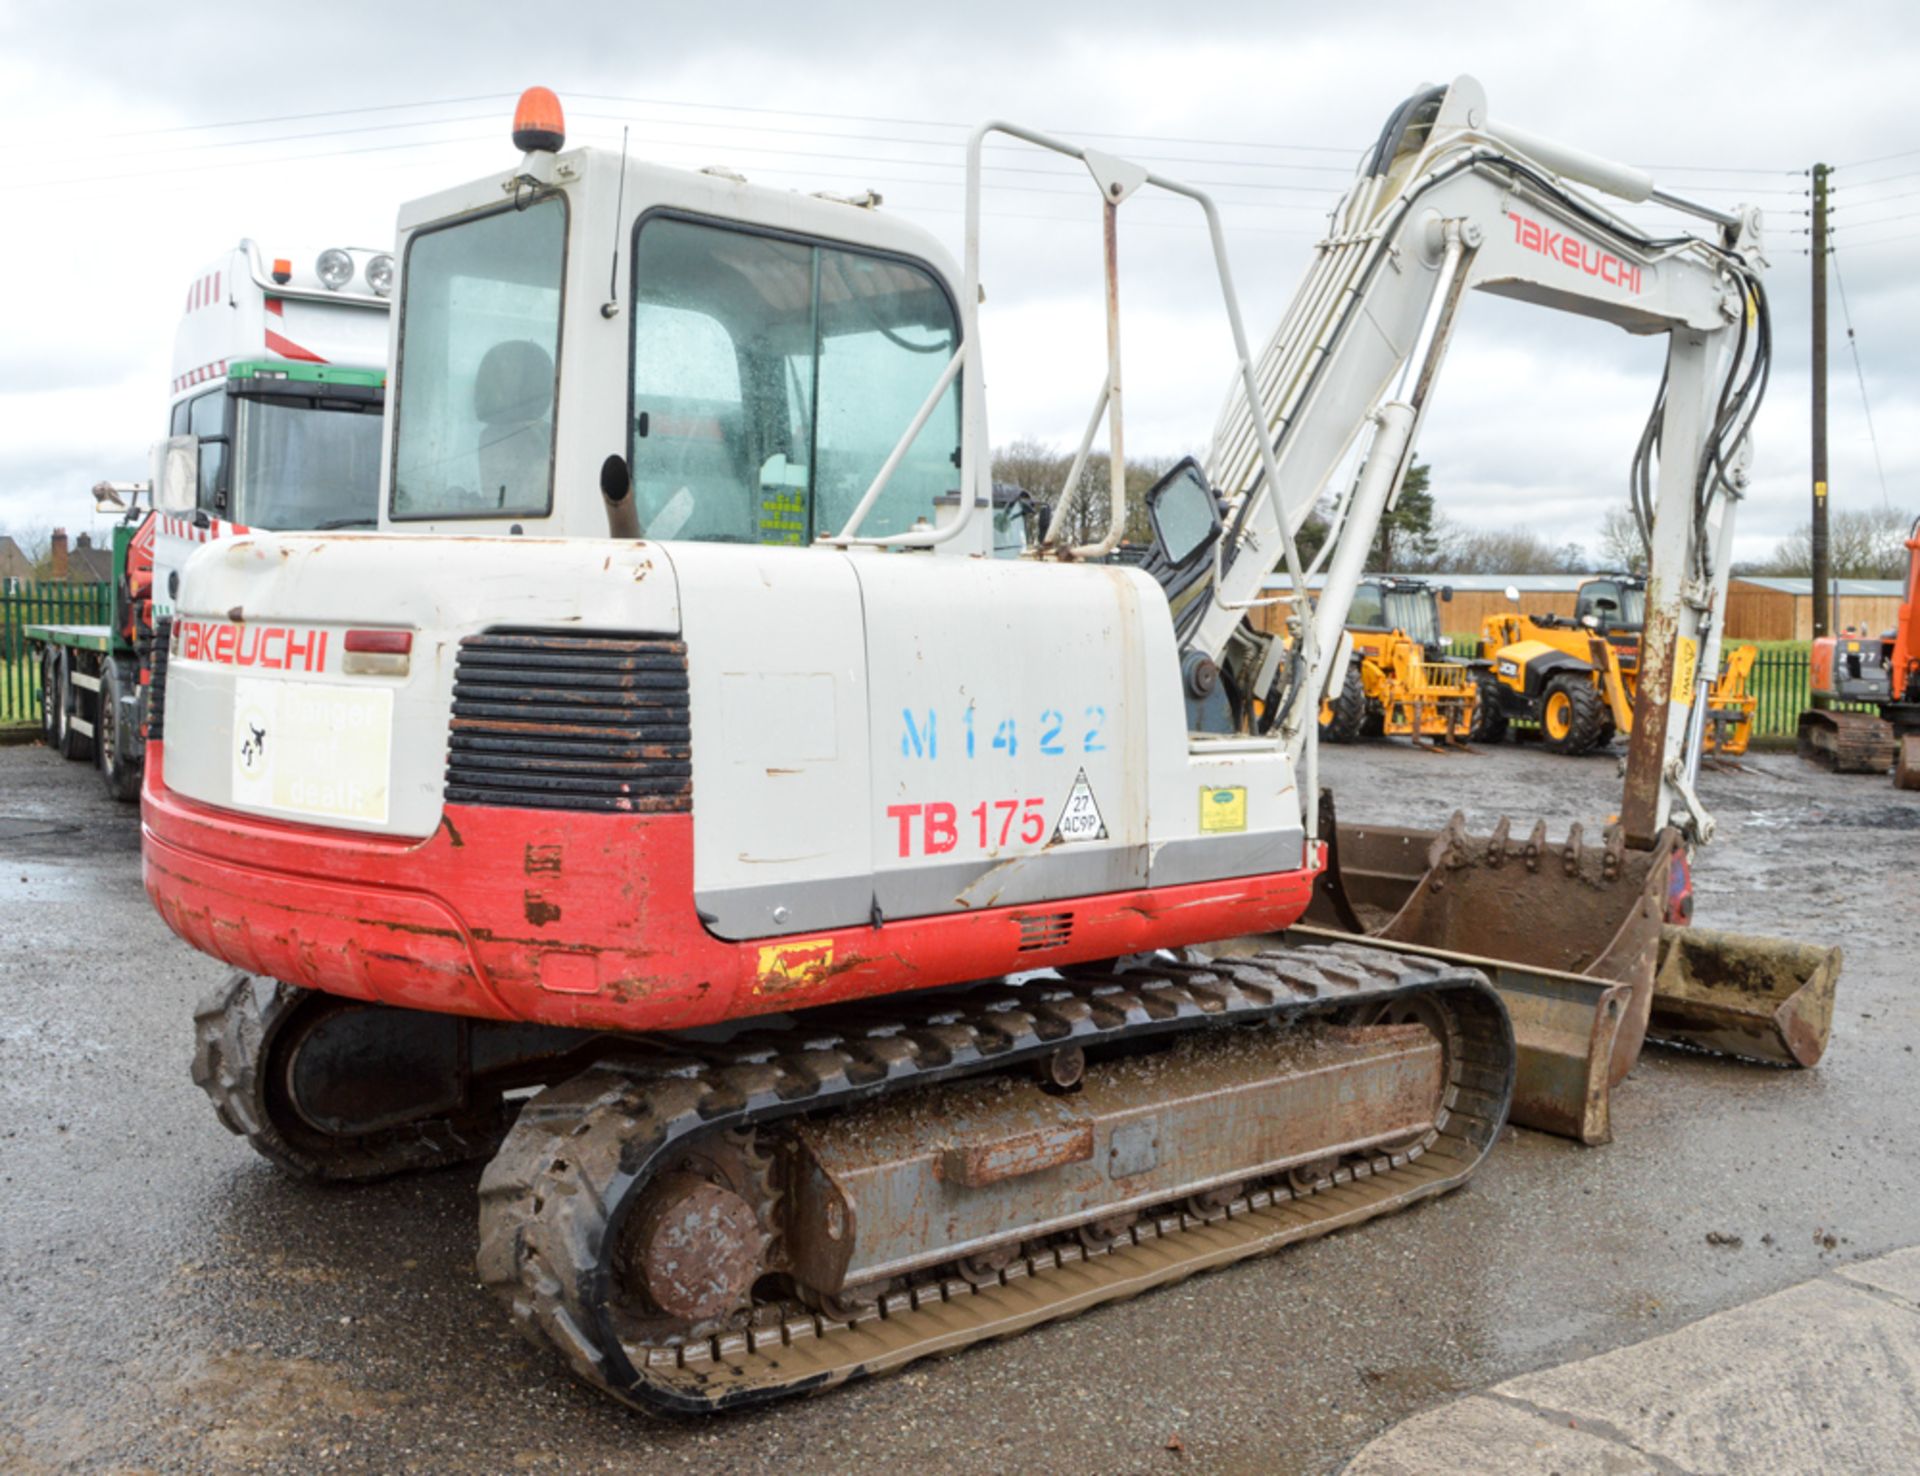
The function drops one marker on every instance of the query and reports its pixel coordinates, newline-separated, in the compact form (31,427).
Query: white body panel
(235,312)
(591,421)
(832,698)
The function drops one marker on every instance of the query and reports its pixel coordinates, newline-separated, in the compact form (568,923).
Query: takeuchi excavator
(678,747)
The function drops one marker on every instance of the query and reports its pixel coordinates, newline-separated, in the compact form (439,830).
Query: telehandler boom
(678,746)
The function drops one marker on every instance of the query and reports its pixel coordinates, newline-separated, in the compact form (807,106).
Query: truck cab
(273,420)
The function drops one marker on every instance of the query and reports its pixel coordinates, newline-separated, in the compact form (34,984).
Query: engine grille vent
(1041,930)
(551,721)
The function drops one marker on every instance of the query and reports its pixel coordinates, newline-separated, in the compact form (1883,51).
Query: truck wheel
(1343,719)
(49,697)
(1572,717)
(1489,717)
(116,747)
(72,743)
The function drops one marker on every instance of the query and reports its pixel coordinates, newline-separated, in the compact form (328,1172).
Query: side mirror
(1446,594)
(1513,594)
(1186,518)
(178,488)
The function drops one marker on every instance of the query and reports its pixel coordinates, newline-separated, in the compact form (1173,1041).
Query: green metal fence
(39,604)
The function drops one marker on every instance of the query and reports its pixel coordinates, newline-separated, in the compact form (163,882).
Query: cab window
(207,419)
(772,377)
(1368,611)
(473,398)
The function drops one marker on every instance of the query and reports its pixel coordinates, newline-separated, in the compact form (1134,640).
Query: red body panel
(588,919)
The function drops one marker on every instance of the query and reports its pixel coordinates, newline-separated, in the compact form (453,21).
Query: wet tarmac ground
(168,1302)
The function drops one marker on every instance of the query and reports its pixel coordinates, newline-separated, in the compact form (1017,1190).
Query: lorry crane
(677,746)
(1883,671)
(279,377)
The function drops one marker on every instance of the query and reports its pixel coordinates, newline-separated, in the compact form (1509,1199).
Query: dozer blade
(1569,933)
(1564,1030)
(1761,999)
(1906,768)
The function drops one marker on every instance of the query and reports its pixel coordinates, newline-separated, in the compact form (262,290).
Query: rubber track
(234,1030)
(552,1201)
(1860,742)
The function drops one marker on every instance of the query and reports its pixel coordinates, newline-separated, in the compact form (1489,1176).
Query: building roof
(1893,588)
(89,564)
(1474,583)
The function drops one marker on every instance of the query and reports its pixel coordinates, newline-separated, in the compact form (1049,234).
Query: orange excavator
(1883,671)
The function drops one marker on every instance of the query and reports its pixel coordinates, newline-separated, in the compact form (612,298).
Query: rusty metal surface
(553,721)
(694,1247)
(927,1180)
(1761,999)
(1565,906)
(1846,742)
(1538,916)
(584,1153)
(974,1165)
(1564,1027)
(1647,742)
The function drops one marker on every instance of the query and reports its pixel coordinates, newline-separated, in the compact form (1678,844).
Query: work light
(334,268)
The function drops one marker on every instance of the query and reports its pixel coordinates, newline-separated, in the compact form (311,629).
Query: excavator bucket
(1574,937)
(1568,932)
(1761,999)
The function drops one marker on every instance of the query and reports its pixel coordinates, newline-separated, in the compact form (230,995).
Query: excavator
(1878,671)
(843,945)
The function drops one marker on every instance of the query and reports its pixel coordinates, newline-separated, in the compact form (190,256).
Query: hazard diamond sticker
(1080,816)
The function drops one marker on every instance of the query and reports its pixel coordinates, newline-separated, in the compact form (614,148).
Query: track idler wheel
(694,1248)
(334,1090)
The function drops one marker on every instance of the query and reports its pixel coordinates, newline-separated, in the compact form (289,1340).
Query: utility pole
(1822,623)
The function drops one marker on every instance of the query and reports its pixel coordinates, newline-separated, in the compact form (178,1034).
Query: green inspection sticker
(1223,809)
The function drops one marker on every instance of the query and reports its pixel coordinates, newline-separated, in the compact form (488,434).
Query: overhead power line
(1853,342)
(445,102)
(882,119)
(1878,159)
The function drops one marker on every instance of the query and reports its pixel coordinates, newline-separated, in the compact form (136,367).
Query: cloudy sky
(146,139)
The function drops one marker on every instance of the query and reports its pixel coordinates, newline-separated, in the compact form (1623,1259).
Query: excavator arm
(1446,201)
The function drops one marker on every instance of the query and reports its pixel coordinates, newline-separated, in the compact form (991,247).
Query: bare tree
(1620,544)
(1041,470)
(1461,550)
(1861,544)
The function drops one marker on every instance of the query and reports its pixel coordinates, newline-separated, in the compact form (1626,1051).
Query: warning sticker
(1224,808)
(1080,816)
(1686,665)
(788,966)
